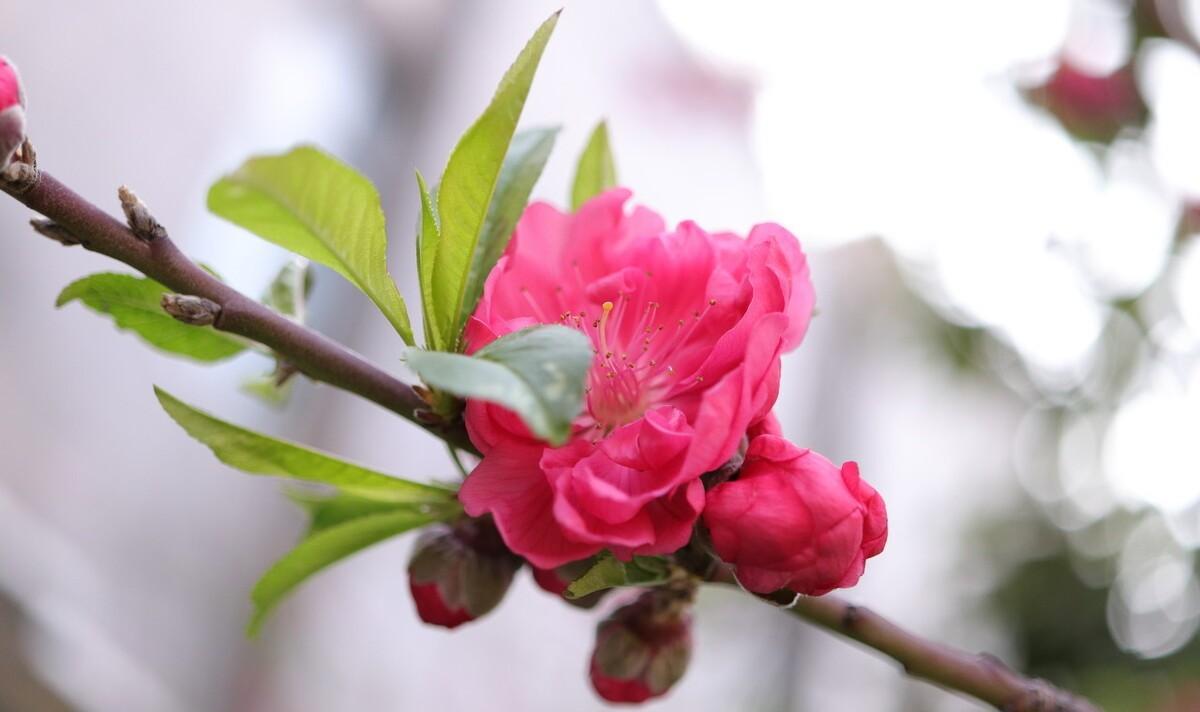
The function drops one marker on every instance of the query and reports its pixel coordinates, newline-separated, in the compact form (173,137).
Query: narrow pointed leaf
(596,171)
(538,373)
(522,167)
(311,203)
(470,180)
(324,548)
(259,454)
(268,389)
(288,292)
(135,304)
(428,237)
(326,511)
(610,572)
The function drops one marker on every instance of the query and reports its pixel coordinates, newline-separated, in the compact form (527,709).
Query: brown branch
(981,676)
(153,254)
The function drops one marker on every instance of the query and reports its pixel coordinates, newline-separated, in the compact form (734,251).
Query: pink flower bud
(1092,107)
(12,112)
(458,573)
(792,519)
(643,648)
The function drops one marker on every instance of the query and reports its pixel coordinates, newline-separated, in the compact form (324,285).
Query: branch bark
(314,355)
(983,677)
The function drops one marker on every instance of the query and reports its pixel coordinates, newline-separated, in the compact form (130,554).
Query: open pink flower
(688,328)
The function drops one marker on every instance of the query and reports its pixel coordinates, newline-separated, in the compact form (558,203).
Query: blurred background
(999,200)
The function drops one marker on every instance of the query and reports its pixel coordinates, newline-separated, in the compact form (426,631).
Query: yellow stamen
(606,308)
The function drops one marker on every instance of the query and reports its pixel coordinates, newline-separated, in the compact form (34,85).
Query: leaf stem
(454,457)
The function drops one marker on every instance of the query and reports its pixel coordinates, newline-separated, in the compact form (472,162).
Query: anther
(606,308)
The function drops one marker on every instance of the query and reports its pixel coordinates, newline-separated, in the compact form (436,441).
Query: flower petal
(509,484)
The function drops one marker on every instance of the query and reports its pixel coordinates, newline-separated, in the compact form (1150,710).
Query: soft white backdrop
(132,550)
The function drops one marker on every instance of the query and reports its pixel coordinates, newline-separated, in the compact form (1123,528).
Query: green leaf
(288,292)
(610,572)
(135,304)
(470,180)
(324,548)
(522,167)
(318,207)
(428,237)
(596,171)
(326,511)
(263,455)
(537,372)
(269,388)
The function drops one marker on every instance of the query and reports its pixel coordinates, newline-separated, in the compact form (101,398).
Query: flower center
(632,371)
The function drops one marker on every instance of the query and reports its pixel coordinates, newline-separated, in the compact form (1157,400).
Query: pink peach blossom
(688,328)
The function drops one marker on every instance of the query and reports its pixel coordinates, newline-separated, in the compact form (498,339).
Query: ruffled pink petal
(586,524)
(790,267)
(509,484)
(766,425)
(653,442)
(727,408)
(587,503)
(489,424)
(875,525)
(674,517)
(781,519)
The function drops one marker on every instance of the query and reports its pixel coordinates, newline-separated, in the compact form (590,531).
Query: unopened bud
(54,231)
(140,220)
(459,573)
(1091,107)
(12,112)
(190,309)
(557,580)
(643,648)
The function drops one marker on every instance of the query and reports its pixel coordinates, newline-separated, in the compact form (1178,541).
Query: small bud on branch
(54,231)
(143,224)
(190,309)
(643,648)
(459,572)
(21,172)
